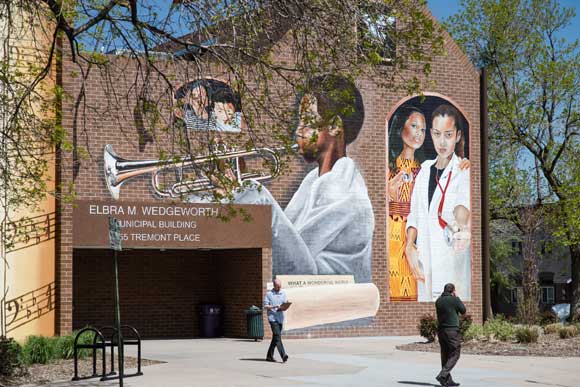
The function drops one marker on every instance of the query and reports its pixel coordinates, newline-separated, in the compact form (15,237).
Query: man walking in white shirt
(272,301)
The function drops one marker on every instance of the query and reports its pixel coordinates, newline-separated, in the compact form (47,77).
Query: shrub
(64,347)
(428,327)
(527,334)
(548,317)
(552,328)
(37,349)
(10,357)
(568,331)
(465,321)
(86,338)
(499,328)
(474,332)
(527,311)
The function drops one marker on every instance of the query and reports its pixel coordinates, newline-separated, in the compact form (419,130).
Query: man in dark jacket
(448,307)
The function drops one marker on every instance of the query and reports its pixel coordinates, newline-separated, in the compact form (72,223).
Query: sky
(442,9)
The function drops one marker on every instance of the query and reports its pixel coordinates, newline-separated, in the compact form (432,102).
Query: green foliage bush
(527,334)
(568,331)
(86,338)
(499,328)
(474,332)
(63,347)
(552,328)
(428,327)
(40,349)
(465,321)
(37,349)
(10,357)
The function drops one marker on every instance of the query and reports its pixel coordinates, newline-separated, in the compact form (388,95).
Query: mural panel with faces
(428,194)
(209,104)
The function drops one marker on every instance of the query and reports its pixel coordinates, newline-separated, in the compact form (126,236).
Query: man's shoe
(442,381)
(451,382)
(285,358)
(270,359)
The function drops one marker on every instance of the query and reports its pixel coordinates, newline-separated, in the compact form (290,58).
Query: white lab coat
(440,263)
(327,228)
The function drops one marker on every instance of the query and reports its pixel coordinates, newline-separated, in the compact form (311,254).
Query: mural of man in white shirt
(327,228)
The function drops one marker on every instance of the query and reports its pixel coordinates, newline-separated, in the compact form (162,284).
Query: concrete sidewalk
(360,362)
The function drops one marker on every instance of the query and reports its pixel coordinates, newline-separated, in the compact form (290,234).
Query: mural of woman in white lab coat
(438,225)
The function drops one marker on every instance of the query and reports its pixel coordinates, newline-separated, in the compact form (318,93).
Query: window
(517,247)
(517,293)
(376,30)
(547,294)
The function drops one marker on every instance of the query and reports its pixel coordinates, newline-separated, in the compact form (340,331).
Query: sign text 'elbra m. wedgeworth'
(172,226)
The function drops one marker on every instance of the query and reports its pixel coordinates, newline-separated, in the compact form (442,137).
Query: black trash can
(255,323)
(211,320)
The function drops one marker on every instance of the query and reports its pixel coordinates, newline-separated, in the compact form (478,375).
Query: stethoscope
(448,229)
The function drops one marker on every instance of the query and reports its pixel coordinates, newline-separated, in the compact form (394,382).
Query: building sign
(171,226)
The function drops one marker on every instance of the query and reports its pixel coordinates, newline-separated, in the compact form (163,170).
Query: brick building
(162,287)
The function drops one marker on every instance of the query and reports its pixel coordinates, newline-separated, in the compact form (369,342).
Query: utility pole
(485,235)
(115,239)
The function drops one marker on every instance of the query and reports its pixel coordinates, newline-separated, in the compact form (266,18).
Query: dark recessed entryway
(161,291)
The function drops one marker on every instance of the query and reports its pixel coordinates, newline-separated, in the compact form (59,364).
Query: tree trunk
(575,274)
(528,308)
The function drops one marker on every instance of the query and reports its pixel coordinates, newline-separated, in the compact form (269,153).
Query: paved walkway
(359,362)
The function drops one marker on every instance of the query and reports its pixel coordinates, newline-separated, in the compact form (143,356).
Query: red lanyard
(442,222)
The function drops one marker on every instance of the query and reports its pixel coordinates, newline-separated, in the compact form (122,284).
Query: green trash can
(255,323)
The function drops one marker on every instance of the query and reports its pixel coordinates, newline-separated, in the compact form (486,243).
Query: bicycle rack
(109,343)
(134,339)
(94,347)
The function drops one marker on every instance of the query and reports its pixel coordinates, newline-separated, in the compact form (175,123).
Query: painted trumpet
(119,170)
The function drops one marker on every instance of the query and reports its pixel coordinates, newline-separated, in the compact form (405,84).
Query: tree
(534,93)
(515,198)
(501,267)
(390,40)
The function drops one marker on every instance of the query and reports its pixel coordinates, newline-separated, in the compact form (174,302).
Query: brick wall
(102,115)
(160,291)
(239,286)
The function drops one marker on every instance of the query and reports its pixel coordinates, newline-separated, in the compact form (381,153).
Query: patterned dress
(402,284)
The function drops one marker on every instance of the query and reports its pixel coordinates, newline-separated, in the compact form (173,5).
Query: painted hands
(412,254)
(461,241)
(460,236)
(394,184)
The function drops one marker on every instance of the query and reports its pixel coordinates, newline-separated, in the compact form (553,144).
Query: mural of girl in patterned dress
(406,130)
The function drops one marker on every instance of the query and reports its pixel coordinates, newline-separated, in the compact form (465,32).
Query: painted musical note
(36,303)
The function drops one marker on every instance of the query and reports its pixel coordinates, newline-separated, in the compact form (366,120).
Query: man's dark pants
(450,342)
(276,340)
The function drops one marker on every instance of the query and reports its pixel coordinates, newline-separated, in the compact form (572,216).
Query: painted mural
(327,228)
(209,104)
(428,191)
(322,240)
